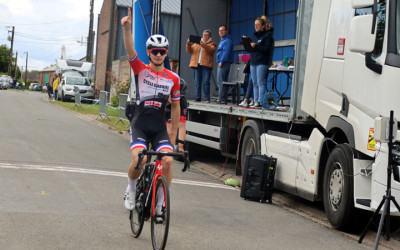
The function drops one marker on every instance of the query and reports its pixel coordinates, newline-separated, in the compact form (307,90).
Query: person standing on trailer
(261,58)
(224,59)
(201,62)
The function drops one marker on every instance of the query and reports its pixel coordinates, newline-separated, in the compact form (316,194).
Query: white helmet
(157,41)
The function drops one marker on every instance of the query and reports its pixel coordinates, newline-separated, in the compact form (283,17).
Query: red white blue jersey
(153,88)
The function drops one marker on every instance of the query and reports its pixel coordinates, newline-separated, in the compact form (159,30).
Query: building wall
(42,76)
(102,45)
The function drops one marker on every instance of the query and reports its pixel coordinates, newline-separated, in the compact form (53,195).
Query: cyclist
(154,85)
(182,121)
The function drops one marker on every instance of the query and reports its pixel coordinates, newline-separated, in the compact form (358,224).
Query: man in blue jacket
(224,58)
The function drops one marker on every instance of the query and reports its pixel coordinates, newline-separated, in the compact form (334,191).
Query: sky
(42,27)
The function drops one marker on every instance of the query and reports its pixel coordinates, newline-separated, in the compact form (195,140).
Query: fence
(78,99)
(103,109)
(121,109)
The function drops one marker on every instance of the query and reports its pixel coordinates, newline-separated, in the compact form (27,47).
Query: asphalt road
(62,179)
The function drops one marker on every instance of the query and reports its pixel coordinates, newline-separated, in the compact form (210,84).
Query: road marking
(106,173)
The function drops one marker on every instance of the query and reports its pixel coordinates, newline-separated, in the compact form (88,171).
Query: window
(380,29)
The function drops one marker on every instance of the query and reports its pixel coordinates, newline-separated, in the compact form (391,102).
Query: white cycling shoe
(129,200)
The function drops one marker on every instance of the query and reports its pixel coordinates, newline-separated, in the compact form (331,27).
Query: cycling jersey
(152,92)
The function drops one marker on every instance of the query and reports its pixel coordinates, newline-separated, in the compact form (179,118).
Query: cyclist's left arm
(175,108)
(175,115)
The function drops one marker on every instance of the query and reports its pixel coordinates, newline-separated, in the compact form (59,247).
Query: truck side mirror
(361,39)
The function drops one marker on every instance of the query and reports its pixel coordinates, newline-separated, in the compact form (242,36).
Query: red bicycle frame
(157,173)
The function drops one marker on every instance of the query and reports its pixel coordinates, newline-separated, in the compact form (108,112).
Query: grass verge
(90,109)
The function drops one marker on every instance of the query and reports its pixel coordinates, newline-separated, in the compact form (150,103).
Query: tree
(4,58)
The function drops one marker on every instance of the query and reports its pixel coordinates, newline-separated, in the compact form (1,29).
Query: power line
(54,22)
(58,43)
(43,38)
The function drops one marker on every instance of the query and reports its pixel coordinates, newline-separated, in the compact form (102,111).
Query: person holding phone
(201,62)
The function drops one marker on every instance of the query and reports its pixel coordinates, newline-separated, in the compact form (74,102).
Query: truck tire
(250,142)
(338,188)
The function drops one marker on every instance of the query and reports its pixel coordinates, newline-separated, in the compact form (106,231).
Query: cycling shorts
(147,129)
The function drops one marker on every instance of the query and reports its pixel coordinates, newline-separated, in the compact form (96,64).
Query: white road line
(106,173)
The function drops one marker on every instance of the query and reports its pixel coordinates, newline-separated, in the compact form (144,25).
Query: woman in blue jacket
(261,57)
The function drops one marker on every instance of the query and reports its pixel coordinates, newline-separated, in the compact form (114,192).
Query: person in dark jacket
(261,58)
(224,58)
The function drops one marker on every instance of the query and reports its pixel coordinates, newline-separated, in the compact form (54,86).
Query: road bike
(146,196)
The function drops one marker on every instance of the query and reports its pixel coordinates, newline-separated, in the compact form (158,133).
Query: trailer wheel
(338,188)
(250,142)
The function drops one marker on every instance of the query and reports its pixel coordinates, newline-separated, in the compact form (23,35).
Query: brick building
(46,75)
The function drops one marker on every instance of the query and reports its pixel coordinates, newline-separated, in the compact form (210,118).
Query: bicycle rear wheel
(136,218)
(160,224)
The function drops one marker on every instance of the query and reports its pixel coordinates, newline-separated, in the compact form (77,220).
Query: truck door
(368,82)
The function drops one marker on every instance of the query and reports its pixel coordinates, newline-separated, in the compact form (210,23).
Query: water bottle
(286,61)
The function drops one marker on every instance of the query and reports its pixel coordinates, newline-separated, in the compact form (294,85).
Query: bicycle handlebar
(161,154)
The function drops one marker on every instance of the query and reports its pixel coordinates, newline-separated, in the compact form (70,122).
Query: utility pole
(90,41)
(26,66)
(11,51)
(16,59)
(110,42)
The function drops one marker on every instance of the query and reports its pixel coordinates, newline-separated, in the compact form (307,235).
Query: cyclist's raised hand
(128,40)
(127,20)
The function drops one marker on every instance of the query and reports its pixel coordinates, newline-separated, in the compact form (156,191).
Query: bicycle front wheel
(160,222)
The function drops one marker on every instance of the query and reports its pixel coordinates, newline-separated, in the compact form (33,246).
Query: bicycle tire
(137,219)
(136,216)
(160,227)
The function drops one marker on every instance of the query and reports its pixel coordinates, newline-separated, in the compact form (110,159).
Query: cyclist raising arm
(154,84)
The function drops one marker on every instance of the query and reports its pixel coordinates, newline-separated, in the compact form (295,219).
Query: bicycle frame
(157,173)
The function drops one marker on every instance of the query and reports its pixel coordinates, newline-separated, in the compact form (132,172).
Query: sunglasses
(158,50)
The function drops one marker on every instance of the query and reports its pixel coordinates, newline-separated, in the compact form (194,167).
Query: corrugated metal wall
(172,26)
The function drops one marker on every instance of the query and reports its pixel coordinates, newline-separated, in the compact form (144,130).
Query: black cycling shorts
(149,128)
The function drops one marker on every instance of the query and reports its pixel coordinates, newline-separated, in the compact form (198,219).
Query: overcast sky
(42,27)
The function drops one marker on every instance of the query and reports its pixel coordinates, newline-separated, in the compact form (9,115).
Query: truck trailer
(347,62)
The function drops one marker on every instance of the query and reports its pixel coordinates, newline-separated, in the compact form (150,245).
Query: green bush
(120,88)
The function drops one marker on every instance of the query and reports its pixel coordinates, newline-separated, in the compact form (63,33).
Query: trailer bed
(281,113)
